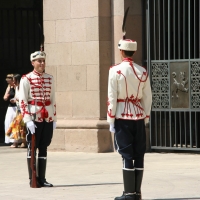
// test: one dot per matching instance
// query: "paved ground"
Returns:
(90, 176)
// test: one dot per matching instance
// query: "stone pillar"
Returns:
(78, 46)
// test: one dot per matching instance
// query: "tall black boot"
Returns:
(41, 173)
(29, 170)
(138, 183)
(129, 186)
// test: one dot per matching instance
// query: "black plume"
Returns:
(41, 38)
(124, 23)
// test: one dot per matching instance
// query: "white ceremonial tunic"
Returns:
(129, 92)
(37, 97)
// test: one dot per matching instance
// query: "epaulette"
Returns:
(114, 65)
(145, 72)
(25, 75)
(48, 74)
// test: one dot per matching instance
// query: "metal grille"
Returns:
(160, 85)
(195, 85)
(173, 51)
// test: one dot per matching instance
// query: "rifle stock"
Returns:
(33, 164)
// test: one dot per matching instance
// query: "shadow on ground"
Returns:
(4, 144)
(86, 185)
(194, 198)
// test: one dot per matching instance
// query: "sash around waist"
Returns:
(40, 103)
(129, 100)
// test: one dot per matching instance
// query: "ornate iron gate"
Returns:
(19, 36)
(173, 57)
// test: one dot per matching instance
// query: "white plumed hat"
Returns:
(37, 55)
(127, 45)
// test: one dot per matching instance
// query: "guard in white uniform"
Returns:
(38, 107)
(129, 105)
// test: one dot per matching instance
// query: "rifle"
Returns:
(34, 183)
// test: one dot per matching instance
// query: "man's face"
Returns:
(39, 65)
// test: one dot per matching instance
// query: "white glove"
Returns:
(31, 126)
(54, 125)
(146, 122)
(112, 128)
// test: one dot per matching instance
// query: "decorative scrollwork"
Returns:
(165, 101)
(195, 101)
(195, 69)
(195, 84)
(164, 85)
(160, 101)
(156, 85)
(160, 85)
(156, 101)
(160, 70)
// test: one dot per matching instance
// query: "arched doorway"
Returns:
(19, 36)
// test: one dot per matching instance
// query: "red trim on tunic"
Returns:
(130, 60)
(114, 65)
(39, 91)
(138, 110)
(50, 119)
(37, 73)
(109, 114)
(40, 103)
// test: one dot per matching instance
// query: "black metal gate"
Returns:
(173, 57)
(19, 36)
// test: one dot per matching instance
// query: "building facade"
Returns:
(81, 38)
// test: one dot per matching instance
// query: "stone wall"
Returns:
(81, 38)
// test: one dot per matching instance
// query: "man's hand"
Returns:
(54, 125)
(112, 128)
(31, 126)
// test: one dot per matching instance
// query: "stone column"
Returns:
(78, 47)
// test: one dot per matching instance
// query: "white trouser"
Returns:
(10, 115)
